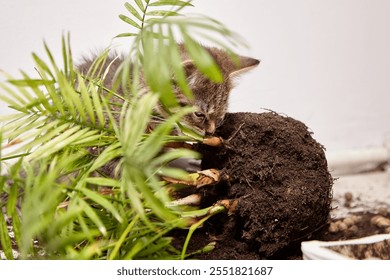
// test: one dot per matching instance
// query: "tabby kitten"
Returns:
(210, 98)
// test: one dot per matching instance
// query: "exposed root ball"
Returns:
(280, 175)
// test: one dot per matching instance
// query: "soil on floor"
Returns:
(378, 250)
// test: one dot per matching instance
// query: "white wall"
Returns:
(324, 62)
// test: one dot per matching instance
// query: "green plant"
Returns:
(53, 195)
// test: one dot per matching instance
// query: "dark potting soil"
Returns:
(279, 175)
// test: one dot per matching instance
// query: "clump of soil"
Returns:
(279, 175)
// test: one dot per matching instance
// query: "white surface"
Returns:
(357, 161)
(323, 62)
(370, 192)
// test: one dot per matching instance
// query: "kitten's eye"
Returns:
(200, 115)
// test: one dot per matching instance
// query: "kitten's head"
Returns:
(211, 98)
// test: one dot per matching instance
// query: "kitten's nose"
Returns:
(210, 129)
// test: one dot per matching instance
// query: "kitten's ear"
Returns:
(244, 65)
(188, 67)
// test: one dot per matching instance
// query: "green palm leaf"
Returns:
(68, 128)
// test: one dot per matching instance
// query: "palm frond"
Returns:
(67, 130)
(147, 10)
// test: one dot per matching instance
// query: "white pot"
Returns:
(320, 250)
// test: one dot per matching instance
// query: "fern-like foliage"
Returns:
(56, 202)
(146, 10)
